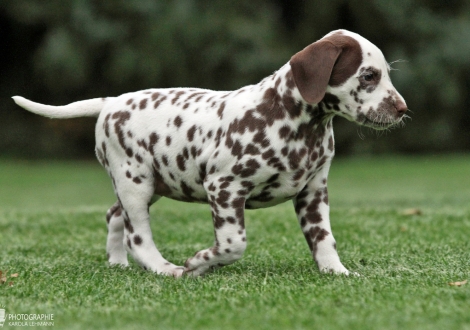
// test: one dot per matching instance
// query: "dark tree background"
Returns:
(60, 51)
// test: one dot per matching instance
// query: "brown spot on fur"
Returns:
(261, 139)
(121, 118)
(293, 107)
(222, 198)
(128, 226)
(106, 124)
(178, 121)
(143, 144)
(143, 104)
(177, 96)
(218, 221)
(224, 185)
(330, 101)
(187, 190)
(114, 211)
(331, 144)
(191, 132)
(271, 108)
(250, 169)
(295, 157)
(155, 96)
(298, 175)
(220, 112)
(160, 187)
(251, 149)
(153, 139)
(237, 149)
(137, 240)
(158, 102)
(315, 235)
(268, 154)
(284, 132)
(194, 151)
(181, 162)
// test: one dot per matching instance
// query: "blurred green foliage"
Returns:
(57, 52)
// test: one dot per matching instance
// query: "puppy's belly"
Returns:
(190, 188)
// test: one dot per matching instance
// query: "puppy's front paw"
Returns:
(196, 266)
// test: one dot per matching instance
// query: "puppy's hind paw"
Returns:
(340, 270)
(171, 270)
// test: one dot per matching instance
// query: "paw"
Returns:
(195, 272)
(169, 269)
(337, 270)
(120, 264)
(118, 260)
(332, 267)
(196, 267)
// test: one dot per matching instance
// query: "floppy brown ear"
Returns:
(312, 68)
(329, 61)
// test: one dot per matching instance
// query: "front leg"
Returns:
(311, 206)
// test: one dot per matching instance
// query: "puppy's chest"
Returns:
(286, 173)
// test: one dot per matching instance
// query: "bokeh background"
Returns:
(61, 51)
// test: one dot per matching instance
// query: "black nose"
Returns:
(401, 107)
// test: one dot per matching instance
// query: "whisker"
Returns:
(397, 61)
(359, 132)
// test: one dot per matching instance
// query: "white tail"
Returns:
(86, 108)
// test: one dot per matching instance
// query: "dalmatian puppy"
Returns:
(251, 148)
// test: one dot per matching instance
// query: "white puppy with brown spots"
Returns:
(250, 148)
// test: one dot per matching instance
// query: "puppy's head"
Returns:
(350, 77)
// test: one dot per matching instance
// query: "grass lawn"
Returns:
(52, 234)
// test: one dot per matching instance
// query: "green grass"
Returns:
(52, 233)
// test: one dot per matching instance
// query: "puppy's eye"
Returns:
(368, 77)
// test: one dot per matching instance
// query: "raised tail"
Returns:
(86, 108)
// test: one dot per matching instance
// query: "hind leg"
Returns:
(137, 236)
(116, 252)
(229, 229)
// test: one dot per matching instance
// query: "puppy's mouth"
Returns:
(379, 122)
